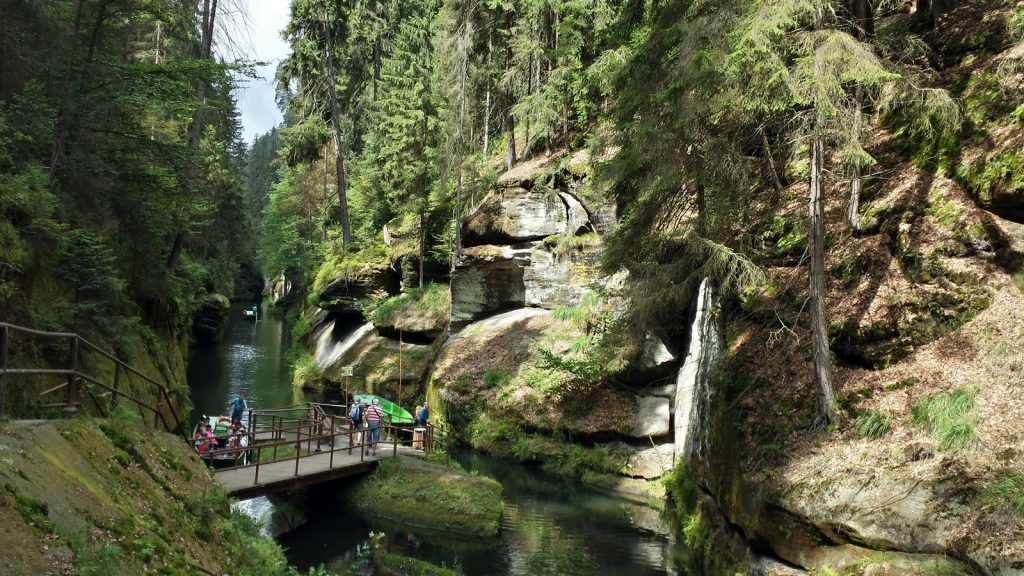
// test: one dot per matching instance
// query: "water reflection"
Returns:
(250, 359)
(549, 527)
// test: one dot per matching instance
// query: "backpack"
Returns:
(356, 412)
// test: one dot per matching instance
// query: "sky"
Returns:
(263, 21)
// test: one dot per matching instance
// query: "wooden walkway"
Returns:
(283, 476)
(308, 433)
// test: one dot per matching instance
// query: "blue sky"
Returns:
(264, 21)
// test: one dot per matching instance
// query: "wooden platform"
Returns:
(281, 477)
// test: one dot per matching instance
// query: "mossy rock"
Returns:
(416, 493)
(398, 565)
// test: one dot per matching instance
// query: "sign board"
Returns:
(346, 371)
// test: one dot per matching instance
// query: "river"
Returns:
(550, 526)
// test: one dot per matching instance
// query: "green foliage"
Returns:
(683, 489)
(496, 378)
(874, 423)
(949, 417)
(306, 372)
(1006, 492)
(432, 301)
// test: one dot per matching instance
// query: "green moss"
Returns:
(1006, 492)
(413, 492)
(405, 566)
(1001, 172)
(306, 372)
(33, 510)
(683, 489)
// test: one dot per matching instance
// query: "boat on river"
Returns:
(395, 414)
(230, 450)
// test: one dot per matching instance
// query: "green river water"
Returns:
(550, 526)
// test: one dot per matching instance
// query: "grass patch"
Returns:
(1006, 492)
(421, 494)
(432, 301)
(949, 418)
(874, 423)
(496, 378)
(306, 373)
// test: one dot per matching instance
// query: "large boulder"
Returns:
(344, 294)
(513, 215)
(488, 281)
(494, 363)
(208, 322)
(278, 289)
(650, 463)
(652, 417)
(381, 365)
(493, 278)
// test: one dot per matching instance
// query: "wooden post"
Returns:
(117, 387)
(72, 392)
(298, 453)
(4, 335)
(394, 441)
(399, 367)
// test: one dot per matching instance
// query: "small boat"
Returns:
(395, 413)
(228, 451)
(249, 314)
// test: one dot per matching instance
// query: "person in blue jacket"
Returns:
(238, 406)
(422, 415)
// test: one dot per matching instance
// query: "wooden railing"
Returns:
(78, 384)
(312, 436)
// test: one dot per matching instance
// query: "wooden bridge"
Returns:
(288, 448)
(303, 445)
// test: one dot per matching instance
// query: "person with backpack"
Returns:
(422, 415)
(355, 414)
(374, 414)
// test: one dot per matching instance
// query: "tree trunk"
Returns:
(487, 100)
(826, 412)
(853, 210)
(339, 162)
(862, 13)
(62, 110)
(510, 100)
(461, 143)
(195, 136)
(423, 240)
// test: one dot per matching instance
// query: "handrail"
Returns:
(77, 379)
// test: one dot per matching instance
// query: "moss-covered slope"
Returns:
(411, 491)
(113, 498)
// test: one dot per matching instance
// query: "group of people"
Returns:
(206, 441)
(370, 415)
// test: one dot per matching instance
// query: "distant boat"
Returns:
(396, 414)
(249, 314)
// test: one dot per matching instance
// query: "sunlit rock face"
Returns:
(520, 251)
(650, 463)
(652, 417)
